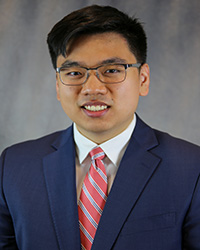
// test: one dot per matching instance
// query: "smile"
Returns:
(96, 108)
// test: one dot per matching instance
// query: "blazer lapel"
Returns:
(134, 173)
(59, 172)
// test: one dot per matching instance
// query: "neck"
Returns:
(100, 137)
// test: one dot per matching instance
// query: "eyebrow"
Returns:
(114, 60)
(69, 63)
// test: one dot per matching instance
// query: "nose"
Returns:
(93, 86)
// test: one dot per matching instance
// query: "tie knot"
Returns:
(97, 153)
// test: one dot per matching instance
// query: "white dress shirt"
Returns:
(114, 150)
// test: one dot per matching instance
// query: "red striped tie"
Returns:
(92, 199)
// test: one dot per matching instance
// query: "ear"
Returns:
(144, 80)
(57, 88)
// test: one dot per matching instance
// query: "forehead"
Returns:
(92, 49)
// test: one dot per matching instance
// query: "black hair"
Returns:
(96, 19)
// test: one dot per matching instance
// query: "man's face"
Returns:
(118, 102)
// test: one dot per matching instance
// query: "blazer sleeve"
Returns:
(7, 235)
(191, 228)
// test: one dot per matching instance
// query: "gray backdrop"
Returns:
(28, 105)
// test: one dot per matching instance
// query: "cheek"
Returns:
(128, 93)
(66, 92)
(69, 99)
(64, 96)
(57, 90)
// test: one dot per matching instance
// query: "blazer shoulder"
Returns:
(151, 138)
(38, 147)
(176, 146)
(164, 137)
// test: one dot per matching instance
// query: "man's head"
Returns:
(93, 20)
(99, 54)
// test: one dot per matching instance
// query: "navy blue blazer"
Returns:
(154, 203)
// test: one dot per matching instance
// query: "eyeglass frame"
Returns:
(126, 66)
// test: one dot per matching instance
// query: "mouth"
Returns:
(95, 109)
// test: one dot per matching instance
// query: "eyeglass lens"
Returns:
(111, 73)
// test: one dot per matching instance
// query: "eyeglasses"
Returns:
(108, 73)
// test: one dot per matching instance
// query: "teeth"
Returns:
(96, 108)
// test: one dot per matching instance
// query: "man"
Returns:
(109, 181)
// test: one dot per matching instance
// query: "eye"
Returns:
(112, 69)
(74, 73)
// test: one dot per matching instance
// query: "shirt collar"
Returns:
(112, 147)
